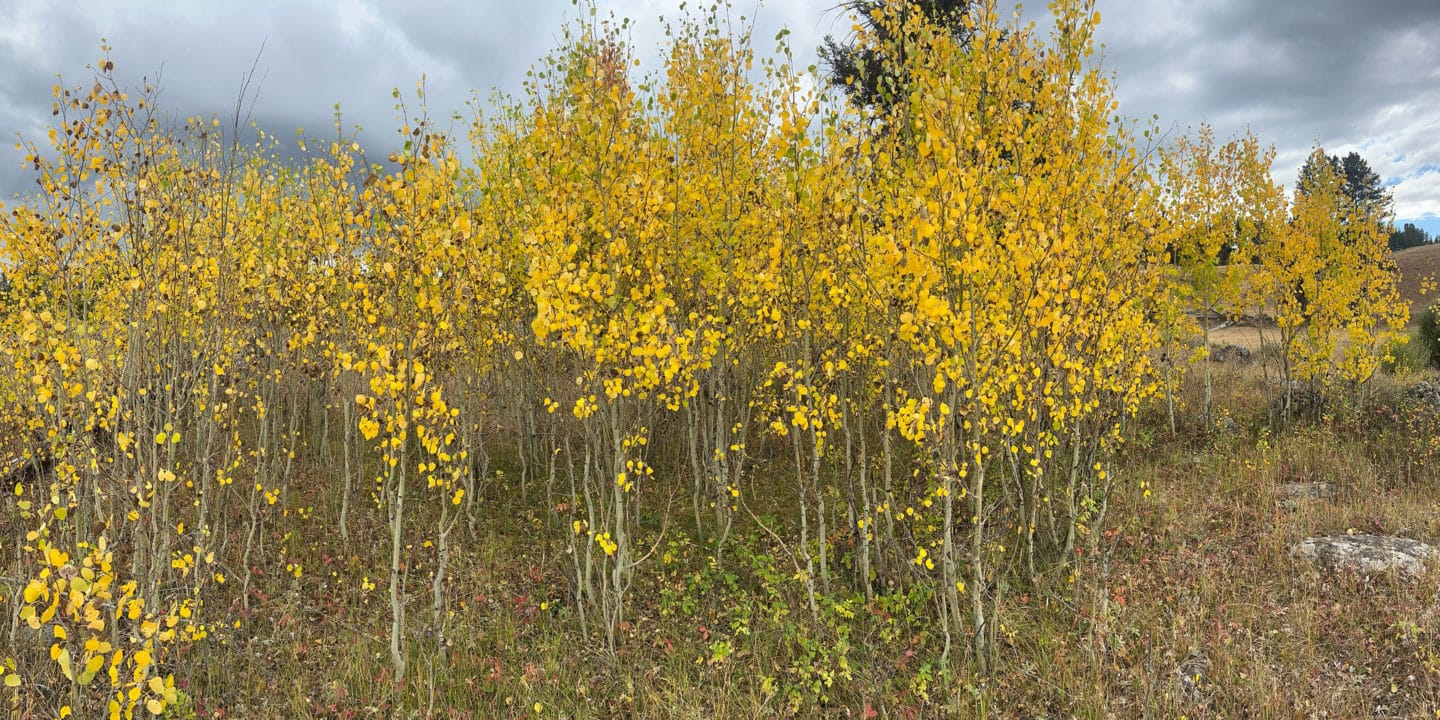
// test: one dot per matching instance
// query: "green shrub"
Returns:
(1412, 357)
(1423, 349)
(1427, 336)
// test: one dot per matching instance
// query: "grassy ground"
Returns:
(1415, 266)
(1244, 336)
(1193, 608)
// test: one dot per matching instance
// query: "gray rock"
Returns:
(1367, 554)
(1290, 496)
(1192, 673)
(1231, 353)
(1425, 393)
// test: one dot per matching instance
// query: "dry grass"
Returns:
(1243, 336)
(1201, 569)
(1414, 266)
(1205, 570)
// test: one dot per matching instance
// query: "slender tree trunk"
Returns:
(397, 538)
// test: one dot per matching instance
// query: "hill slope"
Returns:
(1413, 265)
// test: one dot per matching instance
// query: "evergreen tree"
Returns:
(872, 72)
(1409, 236)
(1361, 186)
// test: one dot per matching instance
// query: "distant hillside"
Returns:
(1415, 264)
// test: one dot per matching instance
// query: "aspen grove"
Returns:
(675, 317)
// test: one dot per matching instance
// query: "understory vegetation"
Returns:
(703, 395)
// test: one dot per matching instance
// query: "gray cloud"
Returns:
(1344, 74)
(1340, 74)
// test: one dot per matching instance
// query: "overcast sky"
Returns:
(1358, 75)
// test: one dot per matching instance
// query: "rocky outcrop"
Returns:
(1367, 554)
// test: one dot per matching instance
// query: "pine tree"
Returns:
(1361, 186)
(870, 65)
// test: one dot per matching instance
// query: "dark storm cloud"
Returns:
(1348, 75)
(315, 54)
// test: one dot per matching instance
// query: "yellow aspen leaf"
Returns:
(62, 658)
